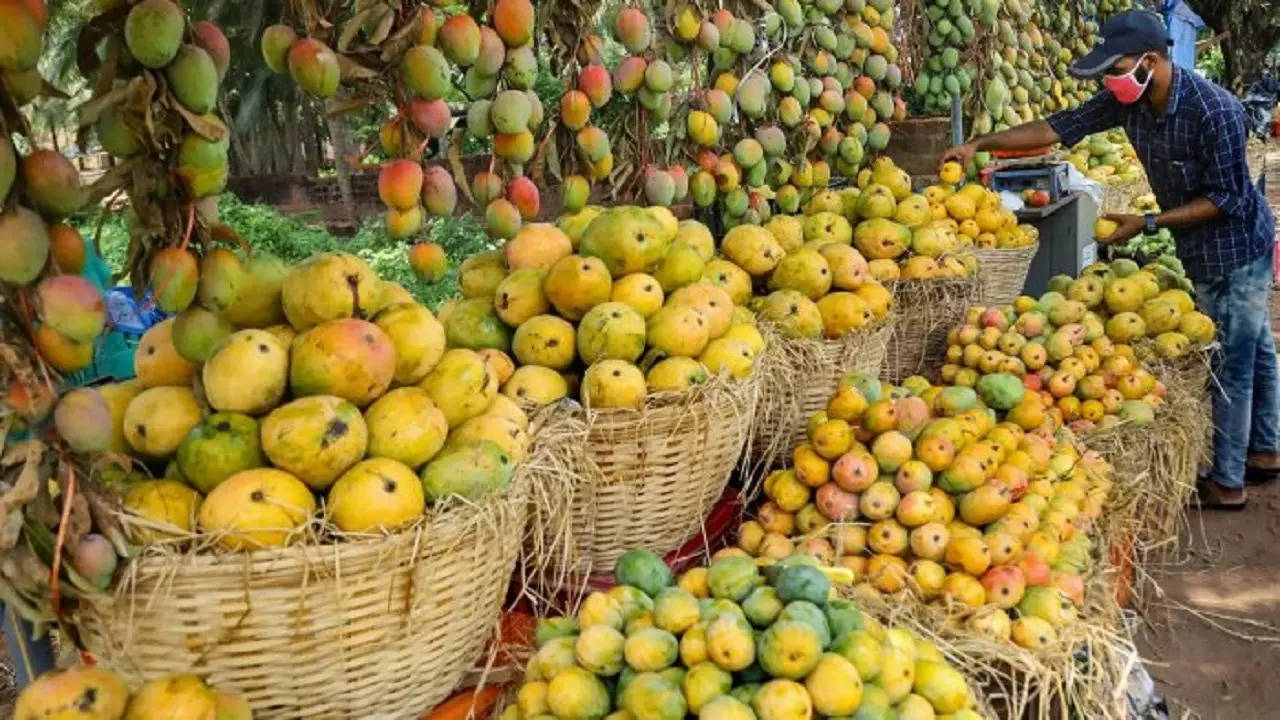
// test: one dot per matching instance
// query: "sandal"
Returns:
(1260, 476)
(1208, 496)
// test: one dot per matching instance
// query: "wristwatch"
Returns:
(1150, 228)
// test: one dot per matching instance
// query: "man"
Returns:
(1190, 135)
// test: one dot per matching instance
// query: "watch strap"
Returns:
(1150, 227)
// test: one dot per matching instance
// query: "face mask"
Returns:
(1127, 88)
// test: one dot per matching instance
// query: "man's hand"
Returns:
(1127, 226)
(962, 154)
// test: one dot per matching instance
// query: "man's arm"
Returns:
(1222, 178)
(1101, 112)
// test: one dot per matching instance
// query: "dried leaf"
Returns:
(455, 164)
(208, 129)
(91, 110)
(352, 70)
(352, 27)
(224, 233)
(26, 485)
(115, 178)
(553, 158)
(334, 108)
(383, 28)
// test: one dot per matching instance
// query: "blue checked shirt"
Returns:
(1196, 149)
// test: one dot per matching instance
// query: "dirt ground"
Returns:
(1219, 662)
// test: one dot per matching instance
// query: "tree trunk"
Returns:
(1251, 30)
(343, 150)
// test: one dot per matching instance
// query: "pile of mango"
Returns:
(1108, 158)
(782, 124)
(976, 212)
(610, 306)
(1007, 60)
(1078, 349)
(924, 488)
(1121, 293)
(492, 63)
(287, 394)
(733, 641)
(95, 692)
(882, 229)
(41, 256)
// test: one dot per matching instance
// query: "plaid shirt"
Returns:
(1196, 149)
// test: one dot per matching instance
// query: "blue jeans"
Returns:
(1246, 412)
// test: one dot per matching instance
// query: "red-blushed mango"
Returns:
(428, 26)
(349, 358)
(575, 109)
(72, 306)
(157, 362)
(52, 183)
(314, 67)
(429, 262)
(524, 195)
(275, 44)
(404, 223)
(629, 76)
(659, 187)
(514, 147)
(83, 420)
(513, 20)
(680, 178)
(493, 52)
(594, 80)
(400, 183)
(631, 28)
(153, 32)
(63, 353)
(22, 40)
(719, 104)
(501, 219)
(537, 113)
(575, 193)
(67, 247)
(31, 402)
(432, 118)
(425, 72)
(459, 38)
(485, 187)
(439, 194)
(174, 276)
(24, 245)
(593, 143)
(211, 39)
(193, 78)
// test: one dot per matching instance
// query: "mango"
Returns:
(246, 373)
(153, 32)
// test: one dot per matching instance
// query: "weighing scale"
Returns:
(1065, 224)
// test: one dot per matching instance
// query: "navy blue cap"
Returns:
(1128, 33)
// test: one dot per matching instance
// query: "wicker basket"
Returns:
(639, 479)
(923, 312)
(1003, 272)
(382, 627)
(797, 379)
